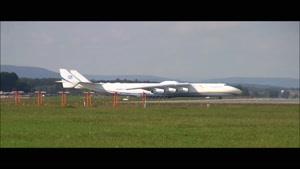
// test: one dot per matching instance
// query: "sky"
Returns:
(180, 50)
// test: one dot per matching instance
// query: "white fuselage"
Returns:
(195, 89)
(73, 79)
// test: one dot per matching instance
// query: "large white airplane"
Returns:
(73, 79)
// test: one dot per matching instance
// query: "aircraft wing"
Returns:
(92, 86)
(160, 85)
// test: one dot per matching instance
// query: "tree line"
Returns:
(10, 81)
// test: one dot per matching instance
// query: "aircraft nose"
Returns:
(236, 90)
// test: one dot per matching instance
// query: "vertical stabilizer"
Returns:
(79, 76)
(68, 77)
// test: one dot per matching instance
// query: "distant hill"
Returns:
(36, 72)
(276, 82)
(29, 72)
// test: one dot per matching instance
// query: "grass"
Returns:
(159, 125)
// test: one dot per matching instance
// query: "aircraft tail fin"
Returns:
(79, 76)
(68, 79)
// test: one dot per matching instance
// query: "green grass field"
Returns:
(159, 125)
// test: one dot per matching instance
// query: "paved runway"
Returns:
(232, 101)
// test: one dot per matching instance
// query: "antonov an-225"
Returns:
(73, 79)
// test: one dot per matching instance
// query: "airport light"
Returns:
(39, 97)
(87, 99)
(115, 100)
(63, 98)
(17, 95)
(144, 98)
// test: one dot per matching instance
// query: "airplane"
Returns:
(73, 79)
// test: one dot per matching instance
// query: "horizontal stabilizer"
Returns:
(67, 84)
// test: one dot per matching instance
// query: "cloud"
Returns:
(43, 38)
(190, 27)
(119, 34)
(171, 49)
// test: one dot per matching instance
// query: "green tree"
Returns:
(23, 86)
(8, 81)
(274, 93)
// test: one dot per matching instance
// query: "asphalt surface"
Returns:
(232, 101)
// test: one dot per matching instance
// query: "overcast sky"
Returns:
(182, 50)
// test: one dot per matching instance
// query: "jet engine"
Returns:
(183, 89)
(171, 90)
(157, 90)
